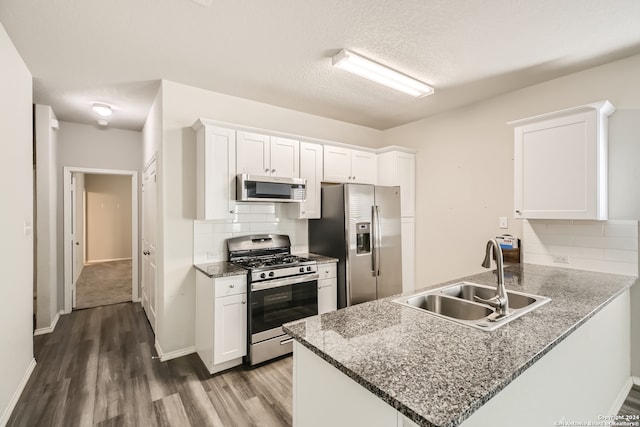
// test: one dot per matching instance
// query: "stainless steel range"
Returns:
(281, 288)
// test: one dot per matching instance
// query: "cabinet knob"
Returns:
(354, 177)
(518, 211)
(326, 272)
(266, 170)
(244, 301)
(273, 171)
(232, 285)
(231, 211)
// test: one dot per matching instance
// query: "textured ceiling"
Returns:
(278, 51)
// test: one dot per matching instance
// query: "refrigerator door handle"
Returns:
(377, 242)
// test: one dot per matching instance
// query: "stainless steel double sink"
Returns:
(456, 302)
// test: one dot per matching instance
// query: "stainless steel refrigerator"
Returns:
(360, 226)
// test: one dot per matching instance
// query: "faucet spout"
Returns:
(501, 300)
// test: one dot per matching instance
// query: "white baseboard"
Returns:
(622, 396)
(96, 261)
(173, 354)
(50, 328)
(14, 399)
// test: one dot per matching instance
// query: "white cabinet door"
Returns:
(253, 154)
(311, 170)
(350, 166)
(363, 167)
(408, 234)
(327, 295)
(399, 168)
(230, 328)
(285, 157)
(216, 173)
(560, 164)
(337, 164)
(327, 287)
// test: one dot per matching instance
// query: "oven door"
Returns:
(274, 303)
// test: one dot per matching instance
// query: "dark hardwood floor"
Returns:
(98, 368)
(631, 405)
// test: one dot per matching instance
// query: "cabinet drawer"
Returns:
(327, 271)
(231, 285)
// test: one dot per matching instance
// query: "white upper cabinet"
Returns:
(259, 154)
(397, 167)
(560, 164)
(347, 165)
(311, 170)
(215, 169)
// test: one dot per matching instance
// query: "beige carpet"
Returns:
(103, 284)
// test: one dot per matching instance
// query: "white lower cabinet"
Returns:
(327, 288)
(221, 321)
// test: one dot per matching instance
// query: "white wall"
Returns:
(465, 164)
(108, 217)
(181, 106)
(16, 245)
(87, 146)
(46, 219)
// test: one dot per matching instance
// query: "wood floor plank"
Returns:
(99, 368)
(170, 411)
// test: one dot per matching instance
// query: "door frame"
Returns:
(68, 258)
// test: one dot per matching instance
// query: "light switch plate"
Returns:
(503, 222)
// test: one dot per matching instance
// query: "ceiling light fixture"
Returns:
(103, 110)
(364, 67)
(102, 123)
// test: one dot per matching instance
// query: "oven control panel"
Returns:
(257, 276)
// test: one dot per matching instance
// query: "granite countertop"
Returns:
(437, 372)
(320, 259)
(220, 269)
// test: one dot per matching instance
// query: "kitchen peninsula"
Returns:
(383, 364)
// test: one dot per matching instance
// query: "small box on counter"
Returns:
(507, 241)
(510, 246)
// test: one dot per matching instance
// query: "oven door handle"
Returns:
(261, 286)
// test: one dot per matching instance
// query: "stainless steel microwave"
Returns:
(254, 188)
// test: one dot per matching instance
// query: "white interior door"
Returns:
(77, 230)
(149, 270)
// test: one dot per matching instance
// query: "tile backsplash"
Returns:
(605, 246)
(209, 237)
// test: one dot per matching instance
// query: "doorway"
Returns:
(101, 237)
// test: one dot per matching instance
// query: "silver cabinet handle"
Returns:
(286, 341)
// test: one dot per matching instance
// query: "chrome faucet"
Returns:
(501, 300)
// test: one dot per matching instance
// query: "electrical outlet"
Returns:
(560, 259)
(503, 222)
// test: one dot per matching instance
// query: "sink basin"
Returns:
(456, 303)
(450, 307)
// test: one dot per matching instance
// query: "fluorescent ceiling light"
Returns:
(363, 67)
(103, 110)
